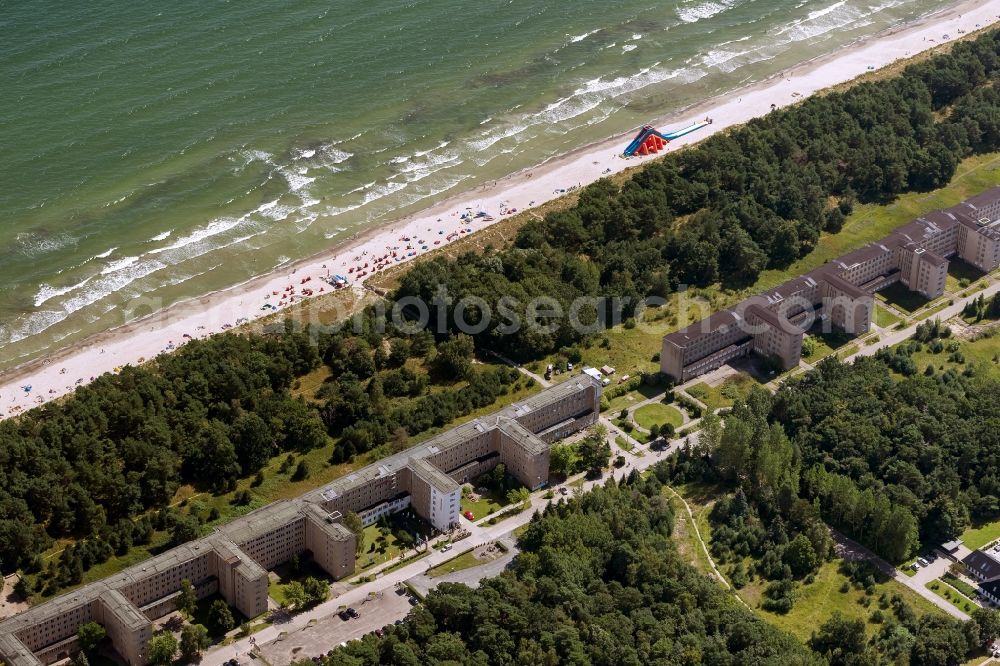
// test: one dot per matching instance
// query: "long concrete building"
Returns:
(234, 560)
(840, 293)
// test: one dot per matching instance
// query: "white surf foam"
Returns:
(695, 13)
(573, 39)
(118, 265)
(47, 292)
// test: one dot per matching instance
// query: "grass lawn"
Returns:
(960, 272)
(950, 594)
(977, 537)
(276, 588)
(623, 443)
(487, 503)
(979, 354)
(844, 352)
(816, 603)
(658, 414)
(307, 385)
(409, 560)
(820, 349)
(466, 560)
(723, 395)
(626, 400)
(906, 568)
(201, 614)
(381, 543)
(700, 498)
(902, 298)
(884, 318)
(959, 585)
(933, 310)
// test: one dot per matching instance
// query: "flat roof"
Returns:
(845, 286)
(328, 524)
(124, 610)
(433, 476)
(710, 324)
(15, 653)
(456, 436)
(773, 319)
(983, 199)
(523, 437)
(261, 521)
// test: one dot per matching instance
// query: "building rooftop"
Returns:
(431, 475)
(773, 319)
(124, 610)
(861, 255)
(710, 324)
(983, 200)
(983, 564)
(550, 395)
(933, 258)
(230, 553)
(845, 286)
(450, 438)
(15, 653)
(328, 523)
(261, 521)
(522, 436)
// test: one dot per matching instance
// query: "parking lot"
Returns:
(935, 569)
(331, 631)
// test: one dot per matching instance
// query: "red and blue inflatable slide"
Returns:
(649, 141)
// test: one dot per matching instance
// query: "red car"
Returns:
(468, 514)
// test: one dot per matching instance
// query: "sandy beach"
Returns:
(62, 371)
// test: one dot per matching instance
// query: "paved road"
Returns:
(471, 577)
(640, 460)
(851, 550)
(890, 338)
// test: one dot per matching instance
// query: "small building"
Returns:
(982, 565)
(593, 372)
(951, 546)
(991, 591)
(607, 369)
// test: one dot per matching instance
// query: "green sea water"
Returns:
(167, 149)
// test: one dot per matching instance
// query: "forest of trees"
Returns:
(893, 462)
(599, 582)
(918, 456)
(101, 465)
(731, 206)
(220, 409)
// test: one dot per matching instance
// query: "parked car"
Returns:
(353, 613)
(469, 515)
(922, 562)
(445, 548)
(915, 566)
(564, 491)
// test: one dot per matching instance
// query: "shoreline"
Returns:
(59, 372)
